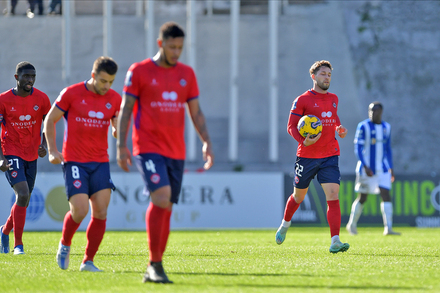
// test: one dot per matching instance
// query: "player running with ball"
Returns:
(319, 155)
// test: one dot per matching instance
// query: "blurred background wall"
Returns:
(380, 50)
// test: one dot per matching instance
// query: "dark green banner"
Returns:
(416, 202)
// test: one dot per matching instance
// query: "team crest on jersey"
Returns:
(77, 183)
(14, 174)
(108, 106)
(183, 82)
(13, 109)
(36, 107)
(155, 178)
(296, 179)
(334, 105)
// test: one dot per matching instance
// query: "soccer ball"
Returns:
(309, 124)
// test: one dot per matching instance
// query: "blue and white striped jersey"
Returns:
(372, 146)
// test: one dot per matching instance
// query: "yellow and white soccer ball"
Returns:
(309, 124)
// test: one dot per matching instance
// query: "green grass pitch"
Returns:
(234, 261)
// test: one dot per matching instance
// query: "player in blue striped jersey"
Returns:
(374, 169)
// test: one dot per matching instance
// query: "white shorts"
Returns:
(370, 185)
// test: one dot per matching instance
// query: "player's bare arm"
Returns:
(368, 171)
(123, 121)
(54, 115)
(342, 131)
(200, 124)
(114, 123)
(4, 164)
(42, 148)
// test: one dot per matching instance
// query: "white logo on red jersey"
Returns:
(154, 82)
(108, 106)
(83, 102)
(326, 114)
(23, 117)
(183, 82)
(13, 109)
(169, 95)
(36, 107)
(316, 106)
(25, 122)
(93, 114)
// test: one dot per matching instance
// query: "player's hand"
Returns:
(342, 131)
(123, 158)
(311, 140)
(4, 165)
(56, 157)
(368, 171)
(42, 151)
(208, 155)
(114, 132)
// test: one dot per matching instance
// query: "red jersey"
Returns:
(159, 111)
(21, 119)
(87, 117)
(325, 107)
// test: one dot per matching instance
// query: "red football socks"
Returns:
(155, 221)
(69, 229)
(7, 228)
(165, 232)
(19, 217)
(291, 207)
(334, 216)
(95, 234)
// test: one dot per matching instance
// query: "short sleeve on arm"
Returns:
(63, 100)
(194, 87)
(131, 83)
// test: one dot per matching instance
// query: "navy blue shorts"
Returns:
(327, 170)
(87, 178)
(158, 171)
(21, 170)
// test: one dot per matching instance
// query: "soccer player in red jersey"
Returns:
(156, 91)
(88, 108)
(22, 111)
(318, 155)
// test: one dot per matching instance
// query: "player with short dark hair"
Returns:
(317, 156)
(374, 169)
(156, 91)
(22, 111)
(88, 108)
